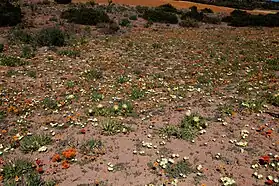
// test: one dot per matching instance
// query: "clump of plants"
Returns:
(51, 37)
(63, 1)
(125, 22)
(69, 53)
(21, 171)
(11, 61)
(168, 8)
(112, 127)
(193, 13)
(171, 169)
(160, 16)
(86, 16)
(241, 18)
(188, 22)
(1, 47)
(188, 128)
(92, 147)
(34, 142)
(10, 14)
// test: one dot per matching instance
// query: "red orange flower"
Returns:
(65, 164)
(264, 160)
(70, 153)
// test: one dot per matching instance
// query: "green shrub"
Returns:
(86, 16)
(193, 13)
(133, 17)
(167, 8)
(27, 52)
(51, 37)
(124, 22)
(188, 22)
(241, 18)
(1, 47)
(63, 1)
(157, 15)
(211, 19)
(11, 61)
(21, 35)
(207, 10)
(142, 9)
(10, 15)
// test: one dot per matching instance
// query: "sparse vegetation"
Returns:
(161, 16)
(34, 142)
(11, 61)
(112, 127)
(188, 22)
(51, 37)
(86, 16)
(188, 128)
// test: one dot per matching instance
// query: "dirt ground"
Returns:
(136, 92)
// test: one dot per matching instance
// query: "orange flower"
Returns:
(65, 164)
(40, 170)
(155, 164)
(268, 133)
(55, 158)
(70, 153)
(4, 131)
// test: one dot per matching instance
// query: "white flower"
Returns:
(124, 106)
(227, 181)
(196, 119)
(42, 149)
(115, 107)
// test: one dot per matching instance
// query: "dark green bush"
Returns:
(124, 22)
(207, 10)
(167, 8)
(211, 19)
(157, 15)
(10, 15)
(51, 37)
(189, 22)
(86, 16)
(142, 9)
(1, 47)
(133, 17)
(21, 35)
(240, 18)
(11, 61)
(63, 1)
(193, 13)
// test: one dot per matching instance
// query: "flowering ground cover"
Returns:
(148, 105)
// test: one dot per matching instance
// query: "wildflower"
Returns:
(269, 182)
(124, 106)
(65, 164)
(264, 160)
(227, 181)
(82, 131)
(70, 153)
(196, 119)
(115, 107)
(56, 158)
(40, 170)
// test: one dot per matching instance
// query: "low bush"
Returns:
(188, 22)
(1, 47)
(211, 19)
(124, 22)
(11, 61)
(63, 1)
(51, 37)
(167, 8)
(86, 16)
(10, 15)
(193, 13)
(240, 18)
(207, 10)
(157, 15)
